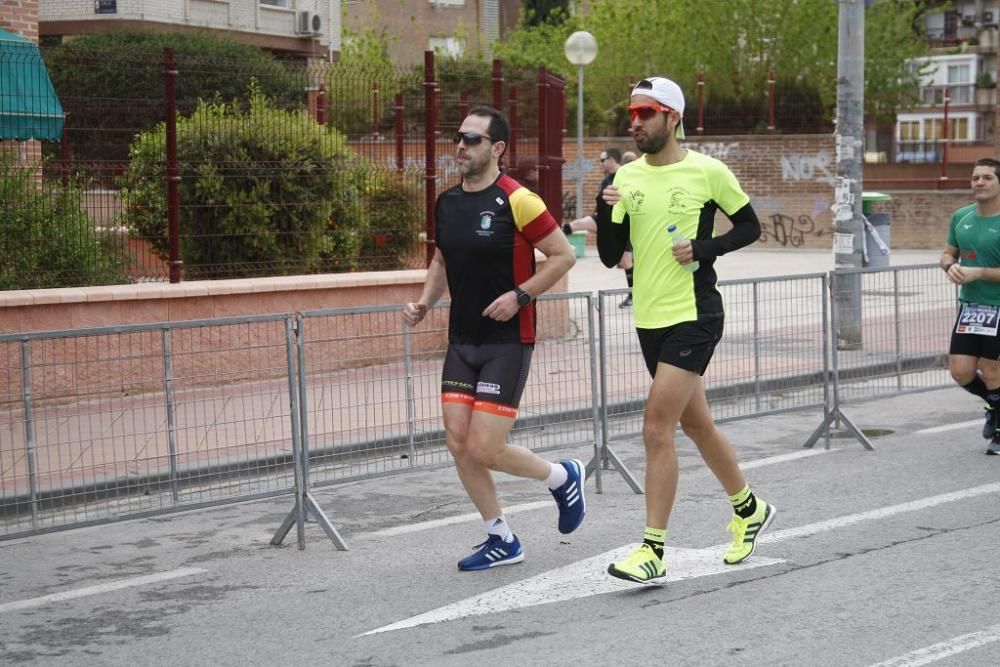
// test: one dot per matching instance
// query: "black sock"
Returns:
(628, 277)
(655, 537)
(978, 388)
(744, 503)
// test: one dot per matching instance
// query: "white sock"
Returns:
(498, 526)
(557, 476)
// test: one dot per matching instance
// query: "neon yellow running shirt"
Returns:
(686, 194)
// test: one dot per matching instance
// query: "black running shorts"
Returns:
(974, 345)
(688, 345)
(489, 378)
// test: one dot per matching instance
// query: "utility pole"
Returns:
(847, 238)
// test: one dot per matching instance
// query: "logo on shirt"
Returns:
(675, 200)
(485, 224)
(488, 388)
(966, 226)
(633, 201)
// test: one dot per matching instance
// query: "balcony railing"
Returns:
(933, 96)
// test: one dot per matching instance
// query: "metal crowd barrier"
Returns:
(130, 421)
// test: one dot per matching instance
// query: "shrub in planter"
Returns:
(263, 192)
(47, 239)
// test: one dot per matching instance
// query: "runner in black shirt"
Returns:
(487, 230)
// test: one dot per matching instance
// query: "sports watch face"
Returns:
(523, 298)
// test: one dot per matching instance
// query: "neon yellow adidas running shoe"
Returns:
(746, 531)
(641, 566)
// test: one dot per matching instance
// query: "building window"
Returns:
(453, 3)
(909, 130)
(276, 3)
(958, 129)
(446, 46)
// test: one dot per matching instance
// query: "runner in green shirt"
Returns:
(971, 259)
(678, 310)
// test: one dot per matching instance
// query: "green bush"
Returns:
(47, 240)
(263, 192)
(393, 212)
(111, 84)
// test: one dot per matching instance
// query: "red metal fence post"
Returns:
(512, 117)
(430, 152)
(701, 103)
(376, 105)
(463, 105)
(770, 101)
(173, 178)
(497, 84)
(399, 131)
(944, 130)
(321, 104)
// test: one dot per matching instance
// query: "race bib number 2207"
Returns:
(977, 318)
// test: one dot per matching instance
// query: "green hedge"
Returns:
(47, 240)
(265, 192)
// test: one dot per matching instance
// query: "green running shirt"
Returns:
(687, 194)
(978, 242)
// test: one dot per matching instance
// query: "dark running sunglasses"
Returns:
(645, 112)
(470, 138)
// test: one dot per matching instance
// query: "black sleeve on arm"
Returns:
(746, 230)
(611, 238)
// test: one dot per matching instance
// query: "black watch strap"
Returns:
(523, 298)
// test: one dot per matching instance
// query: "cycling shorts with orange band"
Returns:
(489, 378)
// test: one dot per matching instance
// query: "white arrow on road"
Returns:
(581, 579)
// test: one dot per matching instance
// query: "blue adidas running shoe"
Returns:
(491, 553)
(569, 497)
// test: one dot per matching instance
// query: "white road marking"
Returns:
(99, 588)
(881, 513)
(948, 427)
(513, 509)
(945, 649)
(588, 577)
(581, 579)
(782, 458)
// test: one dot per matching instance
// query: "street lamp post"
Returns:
(581, 49)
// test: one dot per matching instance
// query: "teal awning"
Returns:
(29, 108)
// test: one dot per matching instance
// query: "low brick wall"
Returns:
(115, 364)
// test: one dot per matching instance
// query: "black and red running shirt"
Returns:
(487, 239)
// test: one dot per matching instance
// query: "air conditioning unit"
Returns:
(988, 18)
(310, 23)
(968, 20)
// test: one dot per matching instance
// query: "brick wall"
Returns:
(20, 16)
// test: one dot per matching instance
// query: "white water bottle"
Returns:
(677, 237)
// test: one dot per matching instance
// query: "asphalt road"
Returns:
(884, 557)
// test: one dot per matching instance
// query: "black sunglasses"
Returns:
(470, 138)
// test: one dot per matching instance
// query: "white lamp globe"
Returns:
(581, 48)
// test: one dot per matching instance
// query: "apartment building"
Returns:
(958, 90)
(305, 28)
(452, 27)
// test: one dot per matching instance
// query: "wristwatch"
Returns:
(523, 298)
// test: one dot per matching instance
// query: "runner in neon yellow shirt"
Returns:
(678, 312)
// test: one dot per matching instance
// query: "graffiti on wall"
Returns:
(791, 231)
(720, 150)
(815, 168)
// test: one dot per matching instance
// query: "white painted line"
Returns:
(451, 520)
(100, 588)
(948, 427)
(581, 579)
(881, 513)
(514, 509)
(588, 577)
(782, 458)
(944, 649)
